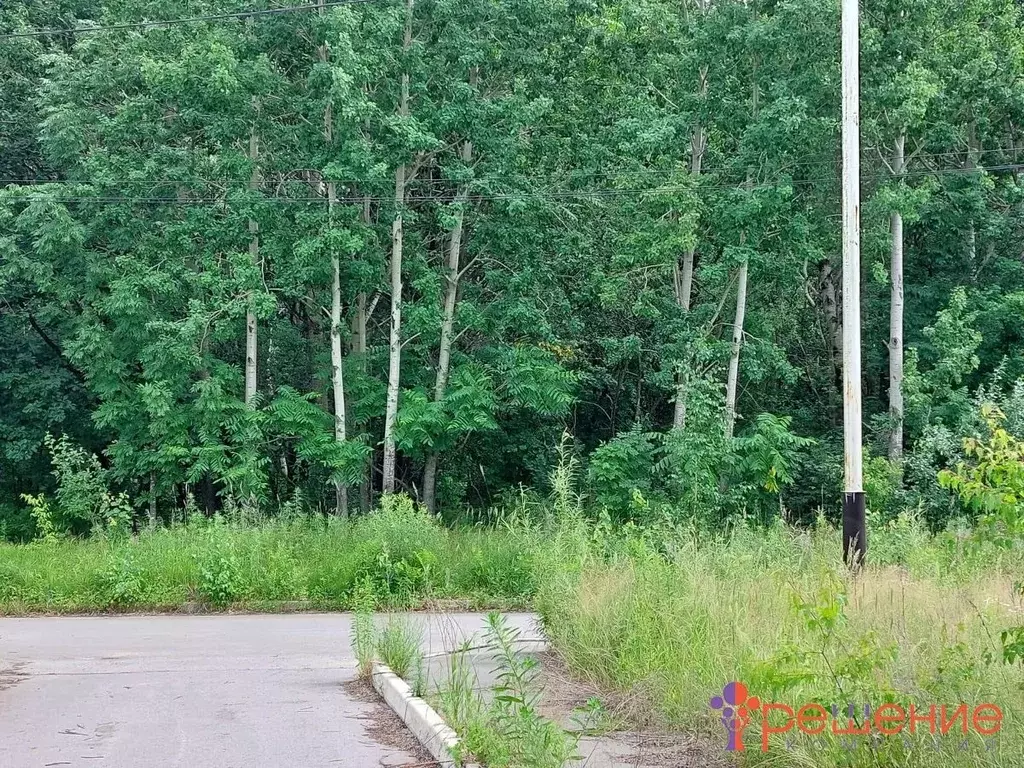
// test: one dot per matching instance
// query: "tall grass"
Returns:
(399, 554)
(678, 615)
(669, 611)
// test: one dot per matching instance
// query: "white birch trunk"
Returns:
(734, 358)
(337, 354)
(397, 242)
(973, 160)
(359, 347)
(451, 292)
(684, 275)
(251, 327)
(337, 350)
(395, 340)
(896, 314)
(152, 499)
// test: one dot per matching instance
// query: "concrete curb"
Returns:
(436, 736)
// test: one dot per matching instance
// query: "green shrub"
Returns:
(883, 481)
(39, 508)
(991, 480)
(219, 581)
(122, 582)
(81, 485)
(621, 466)
(398, 550)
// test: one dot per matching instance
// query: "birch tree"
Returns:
(397, 245)
(904, 86)
(251, 331)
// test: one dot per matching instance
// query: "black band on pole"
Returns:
(855, 529)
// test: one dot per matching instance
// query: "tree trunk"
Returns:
(359, 347)
(337, 355)
(734, 358)
(337, 351)
(732, 380)
(395, 340)
(251, 330)
(896, 315)
(152, 499)
(451, 292)
(684, 275)
(397, 241)
(973, 160)
(359, 344)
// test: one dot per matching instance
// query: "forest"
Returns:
(256, 256)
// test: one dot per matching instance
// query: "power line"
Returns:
(607, 192)
(239, 183)
(186, 20)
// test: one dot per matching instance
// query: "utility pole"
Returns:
(855, 543)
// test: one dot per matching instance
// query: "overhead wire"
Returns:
(525, 194)
(567, 174)
(184, 20)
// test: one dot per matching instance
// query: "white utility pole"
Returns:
(854, 525)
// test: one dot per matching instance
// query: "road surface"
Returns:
(217, 691)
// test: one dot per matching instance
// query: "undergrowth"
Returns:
(674, 617)
(503, 727)
(401, 555)
(666, 610)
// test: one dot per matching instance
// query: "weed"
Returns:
(774, 608)
(219, 581)
(116, 515)
(81, 484)
(40, 510)
(532, 739)
(123, 582)
(398, 646)
(364, 633)
(507, 730)
(567, 501)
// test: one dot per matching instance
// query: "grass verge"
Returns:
(678, 617)
(402, 557)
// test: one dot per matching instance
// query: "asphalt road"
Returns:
(218, 691)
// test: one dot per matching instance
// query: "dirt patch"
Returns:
(564, 694)
(630, 734)
(387, 728)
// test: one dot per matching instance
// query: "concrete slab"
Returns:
(217, 691)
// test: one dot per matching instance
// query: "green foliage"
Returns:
(297, 418)
(621, 467)
(398, 557)
(128, 280)
(883, 480)
(568, 502)
(825, 658)
(116, 514)
(364, 632)
(992, 480)
(220, 582)
(767, 456)
(902, 538)
(693, 458)
(776, 609)
(508, 731)
(123, 582)
(81, 486)
(43, 518)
